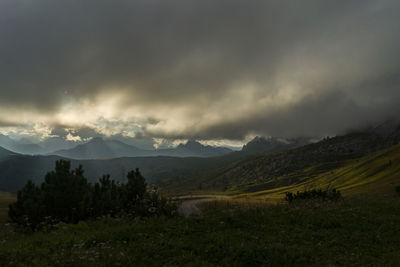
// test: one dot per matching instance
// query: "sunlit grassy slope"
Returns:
(376, 173)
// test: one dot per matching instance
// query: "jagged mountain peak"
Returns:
(191, 145)
(262, 145)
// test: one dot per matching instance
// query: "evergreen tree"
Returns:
(66, 193)
(66, 196)
(28, 211)
(134, 191)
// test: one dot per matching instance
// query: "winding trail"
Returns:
(189, 206)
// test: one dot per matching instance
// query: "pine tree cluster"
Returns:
(66, 196)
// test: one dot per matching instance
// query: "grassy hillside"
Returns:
(260, 173)
(376, 173)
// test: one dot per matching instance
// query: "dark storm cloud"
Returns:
(341, 57)
(64, 130)
(326, 115)
(9, 124)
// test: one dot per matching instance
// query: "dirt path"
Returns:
(189, 207)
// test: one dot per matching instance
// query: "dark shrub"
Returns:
(398, 190)
(106, 197)
(156, 204)
(314, 194)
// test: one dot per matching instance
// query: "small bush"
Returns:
(398, 189)
(332, 195)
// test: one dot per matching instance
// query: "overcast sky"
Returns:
(207, 69)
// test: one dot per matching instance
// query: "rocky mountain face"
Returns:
(264, 145)
(194, 149)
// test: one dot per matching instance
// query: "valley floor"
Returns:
(356, 231)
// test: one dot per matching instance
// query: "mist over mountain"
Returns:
(22, 146)
(5, 141)
(98, 148)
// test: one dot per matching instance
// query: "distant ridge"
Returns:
(99, 148)
(23, 147)
(4, 153)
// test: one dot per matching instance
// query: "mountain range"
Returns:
(263, 163)
(27, 147)
(98, 148)
(17, 168)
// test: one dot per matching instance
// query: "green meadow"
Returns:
(356, 231)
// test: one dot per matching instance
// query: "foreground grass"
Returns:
(353, 232)
(5, 200)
